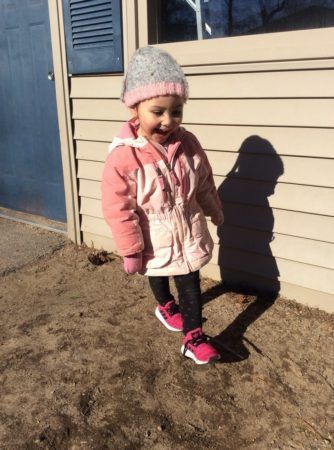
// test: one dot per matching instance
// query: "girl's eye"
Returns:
(157, 113)
(177, 113)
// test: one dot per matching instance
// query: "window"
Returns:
(185, 20)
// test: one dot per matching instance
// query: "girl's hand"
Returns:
(133, 263)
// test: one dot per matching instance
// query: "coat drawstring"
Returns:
(175, 181)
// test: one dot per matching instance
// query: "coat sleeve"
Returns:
(207, 195)
(119, 203)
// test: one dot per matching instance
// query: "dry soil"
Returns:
(84, 364)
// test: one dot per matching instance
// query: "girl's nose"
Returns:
(166, 120)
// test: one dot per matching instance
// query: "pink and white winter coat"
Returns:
(155, 201)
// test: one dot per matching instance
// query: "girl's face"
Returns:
(159, 117)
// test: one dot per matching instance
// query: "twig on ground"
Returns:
(326, 381)
(315, 431)
(297, 446)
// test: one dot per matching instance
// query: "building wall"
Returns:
(267, 124)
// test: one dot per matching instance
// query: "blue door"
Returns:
(31, 178)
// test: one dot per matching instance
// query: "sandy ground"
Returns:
(84, 364)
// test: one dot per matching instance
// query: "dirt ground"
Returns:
(84, 364)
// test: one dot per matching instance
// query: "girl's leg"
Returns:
(190, 300)
(160, 289)
(195, 344)
(167, 311)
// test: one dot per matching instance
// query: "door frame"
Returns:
(64, 120)
(66, 132)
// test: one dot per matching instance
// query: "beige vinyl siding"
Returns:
(306, 171)
(307, 45)
(295, 291)
(294, 197)
(264, 112)
(294, 141)
(292, 108)
(310, 226)
(315, 83)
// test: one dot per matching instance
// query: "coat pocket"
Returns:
(201, 243)
(158, 240)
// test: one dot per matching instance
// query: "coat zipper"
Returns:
(169, 166)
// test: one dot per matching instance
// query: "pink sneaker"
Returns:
(196, 346)
(170, 316)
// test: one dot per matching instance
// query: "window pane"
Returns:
(184, 20)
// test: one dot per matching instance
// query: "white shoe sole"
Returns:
(190, 355)
(162, 320)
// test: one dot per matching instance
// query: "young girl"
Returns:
(157, 187)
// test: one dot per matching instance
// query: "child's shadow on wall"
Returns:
(246, 262)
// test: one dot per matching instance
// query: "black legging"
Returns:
(190, 299)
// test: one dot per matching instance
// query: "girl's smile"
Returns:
(159, 117)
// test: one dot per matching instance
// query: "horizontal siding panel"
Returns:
(99, 242)
(309, 276)
(256, 48)
(295, 84)
(89, 188)
(287, 112)
(96, 87)
(287, 247)
(90, 170)
(311, 199)
(280, 246)
(312, 171)
(95, 225)
(310, 226)
(93, 130)
(92, 150)
(307, 83)
(91, 207)
(102, 109)
(285, 141)
(264, 66)
(303, 250)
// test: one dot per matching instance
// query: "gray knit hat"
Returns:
(152, 72)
